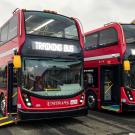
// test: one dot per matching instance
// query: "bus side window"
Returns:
(108, 37)
(91, 78)
(91, 41)
(15, 78)
(3, 77)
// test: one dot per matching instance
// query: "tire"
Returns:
(91, 100)
(3, 105)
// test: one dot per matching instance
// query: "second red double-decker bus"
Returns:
(41, 74)
(110, 67)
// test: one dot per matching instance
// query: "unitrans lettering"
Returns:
(53, 47)
(57, 103)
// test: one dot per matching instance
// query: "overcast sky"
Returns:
(92, 13)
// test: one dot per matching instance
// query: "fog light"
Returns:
(27, 100)
(29, 104)
(129, 94)
(82, 99)
(131, 98)
(123, 100)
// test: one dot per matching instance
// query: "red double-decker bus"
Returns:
(41, 74)
(110, 67)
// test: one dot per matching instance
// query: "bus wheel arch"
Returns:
(2, 104)
(91, 100)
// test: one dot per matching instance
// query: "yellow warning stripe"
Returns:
(2, 118)
(5, 123)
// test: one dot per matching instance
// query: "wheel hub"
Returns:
(91, 100)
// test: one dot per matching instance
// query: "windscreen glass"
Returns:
(52, 25)
(52, 77)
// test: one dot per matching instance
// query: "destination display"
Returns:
(46, 46)
(50, 47)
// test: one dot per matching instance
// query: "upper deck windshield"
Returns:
(48, 24)
(129, 31)
(52, 77)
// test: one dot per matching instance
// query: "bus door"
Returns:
(110, 87)
(12, 89)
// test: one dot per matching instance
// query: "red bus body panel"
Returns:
(7, 53)
(94, 54)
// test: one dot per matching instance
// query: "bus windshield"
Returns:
(52, 77)
(129, 30)
(48, 24)
(130, 77)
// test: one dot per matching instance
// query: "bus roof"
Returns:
(102, 28)
(107, 26)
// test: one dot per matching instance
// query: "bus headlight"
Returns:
(27, 100)
(131, 98)
(82, 99)
(129, 94)
(29, 104)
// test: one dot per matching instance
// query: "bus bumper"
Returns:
(128, 107)
(37, 115)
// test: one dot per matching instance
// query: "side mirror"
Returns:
(126, 65)
(17, 61)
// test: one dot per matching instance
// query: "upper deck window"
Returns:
(107, 37)
(12, 30)
(48, 24)
(129, 31)
(101, 38)
(91, 41)
(9, 30)
(4, 33)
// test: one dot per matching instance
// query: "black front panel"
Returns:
(36, 46)
(36, 115)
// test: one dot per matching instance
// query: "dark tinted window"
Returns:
(4, 33)
(107, 37)
(12, 28)
(9, 30)
(91, 41)
(129, 31)
(3, 77)
(91, 78)
(52, 25)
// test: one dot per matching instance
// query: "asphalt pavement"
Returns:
(95, 123)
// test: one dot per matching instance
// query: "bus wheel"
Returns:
(3, 105)
(91, 101)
